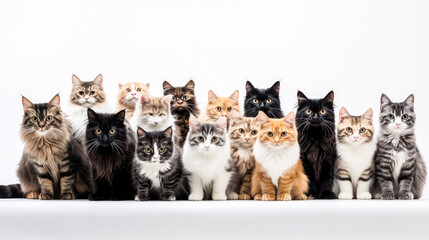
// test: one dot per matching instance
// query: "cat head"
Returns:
(277, 133)
(87, 93)
(221, 106)
(207, 137)
(243, 130)
(130, 93)
(316, 113)
(42, 119)
(266, 100)
(106, 130)
(184, 99)
(155, 147)
(355, 129)
(397, 117)
(155, 110)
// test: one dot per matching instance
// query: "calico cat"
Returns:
(53, 165)
(183, 104)
(243, 133)
(129, 95)
(158, 168)
(400, 171)
(354, 167)
(315, 123)
(152, 113)
(278, 174)
(110, 145)
(221, 106)
(265, 100)
(206, 155)
(85, 95)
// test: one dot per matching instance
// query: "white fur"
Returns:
(276, 160)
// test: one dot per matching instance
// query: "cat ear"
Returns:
(409, 100)
(221, 123)
(276, 87)
(98, 80)
(167, 87)
(55, 101)
(249, 86)
(193, 121)
(329, 97)
(147, 85)
(167, 99)
(190, 85)
(26, 104)
(344, 114)
(290, 119)
(384, 100)
(262, 118)
(212, 96)
(368, 114)
(234, 115)
(169, 132)
(75, 80)
(120, 115)
(145, 98)
(234, 96)
(141, 133)
(92, 115)
(301, 97)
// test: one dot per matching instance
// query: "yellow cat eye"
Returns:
(270, 134)
(161, 149)
(283, 134)
(349, 130)
(322, 111)
(49, 118)
(218, 109)
(309, 111)
(34, 119)
(229, 109)
(362, 130)
(112, 131)
(241, 130)
(98, 131)
(148, 150)
(254, 132)
(255, 100)
(201, 139)
(268, 100)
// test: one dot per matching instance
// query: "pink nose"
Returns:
(133, 94)
(155, 157)
(207, 147)
(86, 98)
(398, 124)
(356, 137)
(247, 139)
(155, 123)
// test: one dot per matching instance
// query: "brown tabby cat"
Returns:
(278, 174)
(221, 106)
(243, 133)
(129, 95)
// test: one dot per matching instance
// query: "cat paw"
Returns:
(345, 196)
(195, 197)
(364, 196)
(301, 197)
(141, 198)
(219, 197)
(244, 196)
(67, 196)
(168, 198)
(257, 197)
(232, 196)
(284, 197)
(46, 196)
(268, 197)
(387, 196)
(327, 195)
(32, 195)
(96, 197)
(406, 196)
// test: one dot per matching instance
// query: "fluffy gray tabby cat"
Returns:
(400, 170)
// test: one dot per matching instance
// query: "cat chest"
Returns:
(275, 167)
(399, 159)
(153, 172)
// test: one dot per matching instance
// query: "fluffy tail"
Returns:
(11, 191)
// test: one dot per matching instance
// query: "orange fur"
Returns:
(125, 99)
(221, 106)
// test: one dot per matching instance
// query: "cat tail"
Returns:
(11, 191)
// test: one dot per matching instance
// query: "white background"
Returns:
(360, 49)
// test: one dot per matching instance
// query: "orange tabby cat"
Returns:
(129, 95)
(278, 173)
(220, 106)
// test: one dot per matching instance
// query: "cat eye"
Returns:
(218, 109)
(127, 90)
(112, 131)
(391, 116)
(254, 132)
(241, 131)
(349, 130)
(148, 150)
(405, 116)
(362, 130)
(283, 134)
(49, 118)
(255, 100)
(161, 149)
(81, 93)
(309, 111)
(322, 111)
(214, 139)
(229, 109)
(270, 134)
(174, 98)
(150, 114)
(201, 139)
(98, 131)
(139, 89)
(161, 114)
(34, 119)
(185, 98)
(91, 93)
(268, 100)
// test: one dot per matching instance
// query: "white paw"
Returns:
(195, 197)
(345, 196)
(233, 196)
(219, 196)
(137, 198)
(364, 196)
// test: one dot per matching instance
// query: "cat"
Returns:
(53, 164)
(152, 113)
(243, 133)
(354, 167)
(206, 155)
(315, 122)
(266, 100)
(129, 95)
(183, 104)
(278, 174)
(110, 145)
(85, 95)
(221, 106)
(400, 171)
(158, 168)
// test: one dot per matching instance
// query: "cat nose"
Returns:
(207, 147)
(155, 157)
(133, 94)
(155, 123)
(179, 102)
(42, 124)
(247, 139)
(86, 98)
(398, 124)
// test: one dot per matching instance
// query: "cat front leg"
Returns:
(246, 183)
(220, 185)
(364, 184)
(385, 178)
(268, 189)
(101, 191)
(345, 184)
(197, 190)
(405, 180)
(46, 184)
(67, 179)
(143, 189)
(284, 188)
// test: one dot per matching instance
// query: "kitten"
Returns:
(53, 165)
(183, 104)
(243, 133)
(315, 123)
(152, 113)
(354, 167)
(400, 171)
(110, 145)
(85, 95)
(221, 106)
(158, 169)
(265, 100)
(278, 174)
(206, 155)
(129, 95)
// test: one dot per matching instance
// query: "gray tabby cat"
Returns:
(399, 167)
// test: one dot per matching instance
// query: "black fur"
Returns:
(266, 100)
(11, 191)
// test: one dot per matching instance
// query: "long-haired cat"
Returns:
(129, 95)
(158, 168)
(278, 174)
(221, 106)
(265, 100)
(53, 165)
(315, 122)
(206, 155)
(400, 171)
(243, 133)
(183, 104)
(85, 95)
(354, 167)
(152, 113)
(110, 145)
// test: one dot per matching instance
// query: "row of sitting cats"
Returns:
(272, 159)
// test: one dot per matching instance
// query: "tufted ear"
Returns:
(193, 121)
(234, 96)
(262, 118)
(167, 87)
(249, 86)
(212, 96)
(141, 133)
(290, 119)
(98, 80)
(26, 104)
(145, 98)
(301, 97)
(344, 114)
(368, 114)
(169, 132)
(75, 80)
(167, 99)
(55, 101)
(330, 96)
(221, 123)
(276, 87)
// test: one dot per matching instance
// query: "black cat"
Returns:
(315, 121)
(266, 100)
(110, 144)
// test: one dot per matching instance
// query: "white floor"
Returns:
(315, 219)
